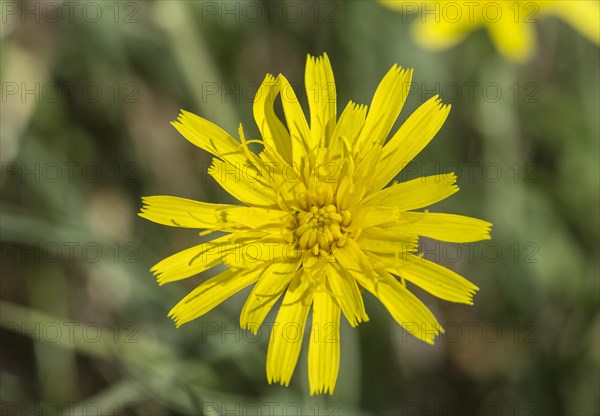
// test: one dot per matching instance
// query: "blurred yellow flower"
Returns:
(443, 24)
(317, 225)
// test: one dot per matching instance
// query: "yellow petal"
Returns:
(385, 107)
(212, 293)
(364, 171)
(274, 133)
(406, 309)
(258, 219)
(581, 14)
(416, 193)
(514, 39)
(232, 168)
(181, 212)
(347, 129)
(383, 240)
(365, 216)
(268, 249)
(191, 261)
(244, 183)
(354, 261)
(444, 227)
(296, 122)
(287, 333)
(321, 93)
(441, 33)
(210, 137)
(346, 293)
(265, 293)
(416, 133)
(435, 279)
(187, 213)
(324, 347)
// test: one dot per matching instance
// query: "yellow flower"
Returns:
(443, 24)
(317, 225)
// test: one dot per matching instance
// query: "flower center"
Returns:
(321, 228)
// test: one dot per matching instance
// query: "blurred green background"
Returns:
(88, 91)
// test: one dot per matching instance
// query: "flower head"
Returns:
(444, 24)
(317, 226)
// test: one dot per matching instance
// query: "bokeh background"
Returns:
(88, 91)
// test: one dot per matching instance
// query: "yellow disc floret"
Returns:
(321, 228)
